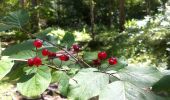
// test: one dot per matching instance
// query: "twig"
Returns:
(22, 60)
(60, 69)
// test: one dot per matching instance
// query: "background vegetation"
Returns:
(136, 30)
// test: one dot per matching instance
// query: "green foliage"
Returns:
(62, 80)
(140, 76)
(162, 85)
(74, 79)
(33, 85)
(89, 56)
(23, 50)
(5, 66)
(68, 39)
(125, 91)
(15, 19)
(86, 84)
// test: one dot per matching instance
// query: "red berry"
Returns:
(37, 61)
(38, 43)
(112, 61)
(30, 62)
(45, 52)
(76, 48)
(102, 55)
(96, 62)
(64, 58)
(51, 54)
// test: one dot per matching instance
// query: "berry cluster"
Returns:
(34, 61)
(102, 56)
(51, 55)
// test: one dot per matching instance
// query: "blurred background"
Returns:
(137, 30)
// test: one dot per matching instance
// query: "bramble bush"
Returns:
(42, 60)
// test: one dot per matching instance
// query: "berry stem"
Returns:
(36, 51)
(107, 66)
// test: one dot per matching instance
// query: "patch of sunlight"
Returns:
(81, 36)
(59, 33)
(7, 33)
(6, 91)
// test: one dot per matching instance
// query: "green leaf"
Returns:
(63, 81)
(4, 27)
(68, 39)
(140, 76)
(87, 84)
(89, 56)
(16, 72)
(33, 85)
(6, 65)
(30, 70)
(162, 84)
(120, 90)
(22, 50)
(15, 19)
(25, 49)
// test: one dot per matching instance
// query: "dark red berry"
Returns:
(76, 48)
(30, 62)
(112, 61)
(37, 61)
(64, 58)
(51, 54)
(38, 43)
(96, 62)
(102, 55)
(45, 52)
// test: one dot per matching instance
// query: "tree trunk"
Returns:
(34, 17)
(92, 18)
(110, 13)
(148, 9)
(121, 15)
(22, 3)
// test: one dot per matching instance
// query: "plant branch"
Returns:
(80, 61)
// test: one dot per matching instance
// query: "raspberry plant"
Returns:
(80, 75)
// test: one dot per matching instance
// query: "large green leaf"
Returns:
(16, 72)
(25, 49)
(33, 85)
(87, 84)
(63, 81)
(140, 76)
(4, 27)
(5, 66)
(120, 90)
(22, 50)
(162, 85)
(15, 19)
(68, 39)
